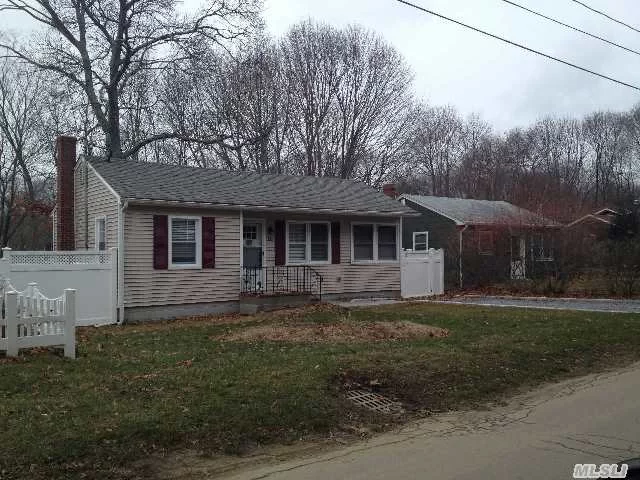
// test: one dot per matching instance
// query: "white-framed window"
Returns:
(308, 242)
(486, 244)
(100, 233)
(362, 242)
(420, 241)
(387, 242)
(250, 232)
(374, 242)
(185, 242)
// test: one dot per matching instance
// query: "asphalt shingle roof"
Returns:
(466, 211)
(152, 181)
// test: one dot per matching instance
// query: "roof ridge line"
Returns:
(237, 172)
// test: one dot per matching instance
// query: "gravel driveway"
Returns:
(590, 305)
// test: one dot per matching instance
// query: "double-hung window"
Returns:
(420, 241)
(185, 247)
(101, 233)
(372, 242)
(308, 242)
(363, 240)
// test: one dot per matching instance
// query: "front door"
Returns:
(252, 256)
(518, 257)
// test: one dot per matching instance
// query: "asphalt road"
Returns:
(593, 305)
(595, 419)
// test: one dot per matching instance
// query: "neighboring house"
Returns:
(196, 241)
(594, 226)
(484, 241)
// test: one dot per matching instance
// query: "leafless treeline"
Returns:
(212, 90)
(558, 166)
(320, 101)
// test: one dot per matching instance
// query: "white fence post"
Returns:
(11, 314)
(70, 323)
(5, 263)
(30, 291)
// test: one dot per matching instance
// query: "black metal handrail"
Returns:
(281, 280)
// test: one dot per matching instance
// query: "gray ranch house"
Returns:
(485, 241)
(195, 241)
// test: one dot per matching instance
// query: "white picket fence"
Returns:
(421, 273)
(92, 273)
(32, 320)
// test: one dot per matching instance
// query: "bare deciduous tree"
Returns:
(21, 146)
(101, 47)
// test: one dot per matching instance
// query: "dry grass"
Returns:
(139, 391)
(340, 332)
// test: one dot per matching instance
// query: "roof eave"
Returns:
(512, 225)
(589, 217)
(267, 208)
(457, 221)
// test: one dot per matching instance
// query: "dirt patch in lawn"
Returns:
(285, 314)
(341, 332)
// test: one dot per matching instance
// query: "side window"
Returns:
(101, 233)
(420, 241)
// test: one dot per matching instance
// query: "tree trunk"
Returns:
(113, 140)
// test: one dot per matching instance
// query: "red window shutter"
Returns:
(208, 242)
(335, 242)
(160, 242)
(280, 243)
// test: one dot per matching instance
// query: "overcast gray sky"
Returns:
(506, 85)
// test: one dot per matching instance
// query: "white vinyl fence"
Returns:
(422, 273)
(92, 273)
(29, 319)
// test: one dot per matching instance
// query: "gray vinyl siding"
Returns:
(345, 277)
(144, 286)
(100, 201)
(442, 231)
(79, 206)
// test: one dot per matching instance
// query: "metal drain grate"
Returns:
(374, 401)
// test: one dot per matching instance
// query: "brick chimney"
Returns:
(65, 163)
(390, 190)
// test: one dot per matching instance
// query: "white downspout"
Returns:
(460, 254)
